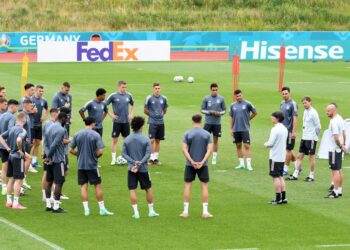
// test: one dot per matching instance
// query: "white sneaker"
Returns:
(32, 170)
(207, 215)
(213, 161)
(249, 168)
(153, 214)
(113, 162)
(240, 166)
(64, 197)
(184, 215)
(136, 216)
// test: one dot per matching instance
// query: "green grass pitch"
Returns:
(237, 199)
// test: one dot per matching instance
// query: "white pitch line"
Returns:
(254, 248)
(336, 245)
(346, 167)
(299, 82)
(30, 234)
(221, 171)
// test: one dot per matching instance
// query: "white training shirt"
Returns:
(336, 126)
(277, 143)
(311, 125)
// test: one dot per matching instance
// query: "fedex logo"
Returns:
(114, 51)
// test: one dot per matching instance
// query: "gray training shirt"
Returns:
(240, 112)
(47, 125)
(137, 147)
(88, 142)
(156, 105)
(96, 110)
(60, 99)
(7, 121)
(289, 110)
(216, 103)
(54, 142)
(40, 104)
(11, 136)
(197, 140)
(120, 103)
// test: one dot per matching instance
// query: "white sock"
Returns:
(114, 156)
(86, 205)
(336, 191)
(249, 161)
(134, 206)
(52, 195)
(215, 154)
(15, 201)
(186, 206)
(296, 172)
(48, 202)
(241, 161)
(4, 186)
(205, 208)
(340, 190)
(152, 157)
(101, 204)
(9, 198)
(44, 193)
(294, 163)
(156, 154)
(285, 168)
(56, 205)
(34, 159)
(151, 207)
(312, 174)
(332, 183)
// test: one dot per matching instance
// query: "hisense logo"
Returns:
(263, 51)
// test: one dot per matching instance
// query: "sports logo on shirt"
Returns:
(244, 107)
(218, 101)
(161, 102)
(287, 107)
(209, 103)
(94, 107)
(127, 99)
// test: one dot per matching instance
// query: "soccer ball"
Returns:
(178, 78)
(121, 160)
(190, 79)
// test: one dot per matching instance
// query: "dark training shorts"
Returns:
(120, 128)
(191, 172)
(156, 131)
(142, 177)
(276, 168)
(92, 176)
(213, 128)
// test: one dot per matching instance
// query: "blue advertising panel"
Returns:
(180, 41)
(294, 50)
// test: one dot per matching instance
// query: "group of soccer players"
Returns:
(22, 133)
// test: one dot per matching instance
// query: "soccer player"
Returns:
(311, 131)
(336, 149)
(241, 112)
(289, 109)
(18, 161)
(196, 147)
(277, 144)
(55, 159)
(37, 131)
(136, 150)
(53, 118)
(2, 91)
(7, 121)
(155, 107)
(87, 145)
(27, 106)
(120, 101)
(29, 90)
(213, 106)
(3, 105)
(97, 109)
(63, 99)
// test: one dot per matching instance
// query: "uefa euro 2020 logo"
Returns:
(4, 43)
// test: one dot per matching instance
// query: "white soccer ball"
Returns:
(178, 78)
(190, 79)
(121, 160)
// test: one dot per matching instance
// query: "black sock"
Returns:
(284, 195)
(278, 196)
